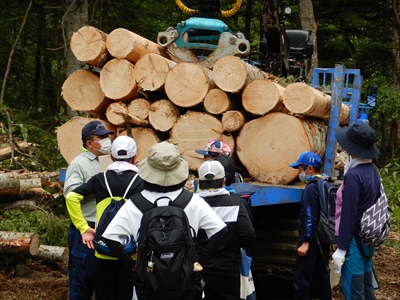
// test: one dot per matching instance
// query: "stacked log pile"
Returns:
(135, 89)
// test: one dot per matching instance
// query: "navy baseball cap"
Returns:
(96, 128)
(307, 158)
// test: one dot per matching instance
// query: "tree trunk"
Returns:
(217, 101)
(231, 74)
(262, 96)
(308, 22)
(233, 120)
(13, 187)
(19, 242)
(151, 71)
(207, 128)
(187, 84)
(267, 145)
(69, 136)
(82, 92)
(139, 108)
(75, 17)
(88, 44)
(163, 115)
(299, 98)
(122, 43)
(52, 253)
(117, 80)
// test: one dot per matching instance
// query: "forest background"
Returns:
(35, 60)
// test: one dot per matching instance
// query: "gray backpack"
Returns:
(375, 221)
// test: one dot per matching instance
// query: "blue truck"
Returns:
(276, 208)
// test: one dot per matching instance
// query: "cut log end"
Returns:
(19, 242)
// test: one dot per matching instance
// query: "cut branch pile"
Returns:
(136, 89)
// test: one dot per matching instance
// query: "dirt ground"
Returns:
(36, 280)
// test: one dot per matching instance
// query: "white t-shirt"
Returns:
(127, 220)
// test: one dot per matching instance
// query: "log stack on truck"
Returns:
(135, 87)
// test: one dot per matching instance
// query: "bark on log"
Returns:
(262, 96)
(19, 242)
(163, 115)
(122, 43)
(267, 145)
(29, 205)
(192, 131)
(69, 138)
(139, 108)
(233, 120)
(115, 113)
(82, 92)
(299, 98)
(89, 45)
(117, 80)
(151, 71)
(5, 153)
(52, 253)
(144, 138)
(231, 74)
(217, 102)
(187, 84)
(128, 118)
(19, 187)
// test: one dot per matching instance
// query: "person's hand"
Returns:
(338, 259)
(87, 237)
(302, 250)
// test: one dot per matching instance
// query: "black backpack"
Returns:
(166, 255)
(327, 200)
(108, 214)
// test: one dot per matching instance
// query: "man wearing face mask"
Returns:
(311, 259)
(82, 263)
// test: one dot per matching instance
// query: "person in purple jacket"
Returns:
(360, 190)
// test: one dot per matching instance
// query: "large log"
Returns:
(262, 96)
(117, 80)
(82, 92)
(139, 108)
(299, 98)
(19, 242)
(69, 137)
(231, 74)
(15, 187)
(267, 145)
(151, 71)
(187, 84)
(52, 253)
(88, 44)
(192, 131)
(163, 115)
(217, 101)
(122, 43)
(144, 138)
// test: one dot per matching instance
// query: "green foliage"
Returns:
(390, 176)
(52, 230)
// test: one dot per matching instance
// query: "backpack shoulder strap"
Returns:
(127, 189)
(141, 202)
(183, 199)
(324, 205)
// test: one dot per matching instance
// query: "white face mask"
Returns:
(303, 176)
(105, 146)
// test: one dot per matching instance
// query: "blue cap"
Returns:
(307, 158)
